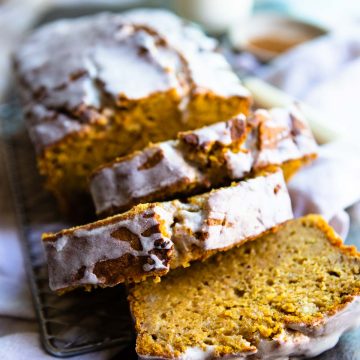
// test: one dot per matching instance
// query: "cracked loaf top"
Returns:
(73, 71)
(152, 238)
(203, 158)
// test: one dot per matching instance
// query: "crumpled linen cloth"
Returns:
(324, 73)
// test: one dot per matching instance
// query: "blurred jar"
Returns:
(326, 13)
(216, 16)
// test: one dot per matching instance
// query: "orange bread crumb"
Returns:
(290, 293)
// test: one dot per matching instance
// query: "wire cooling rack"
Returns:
(77, 322)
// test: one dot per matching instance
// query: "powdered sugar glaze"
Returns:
(214, 220)
(124, 182)
(87, 246)
(71, 65)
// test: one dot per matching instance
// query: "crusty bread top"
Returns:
(71, 70)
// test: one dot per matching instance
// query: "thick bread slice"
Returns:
(209, 157)
(288, 294)
(152, 238)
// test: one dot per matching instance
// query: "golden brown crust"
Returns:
(291, 167)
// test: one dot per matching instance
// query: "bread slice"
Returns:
(105, 85)
(152, 238)
(287, 294)
(209, 157)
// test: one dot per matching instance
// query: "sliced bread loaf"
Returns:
(152, 238)
(291, 293)
(209, 157)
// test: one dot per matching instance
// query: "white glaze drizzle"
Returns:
(237, 222)
(85, 247)
(122, 182)
(219, 132)
(289, 146)
(243, 210)
(130, 55)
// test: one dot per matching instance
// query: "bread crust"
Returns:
(153, 238)
(205, 158)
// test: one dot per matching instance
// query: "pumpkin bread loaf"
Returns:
(151, 238)
(288, 294)
(209, 157)
(102, 86)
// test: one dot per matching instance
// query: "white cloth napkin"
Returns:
(324, 73)
(329, 185)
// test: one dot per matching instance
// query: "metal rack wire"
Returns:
(77, 322)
